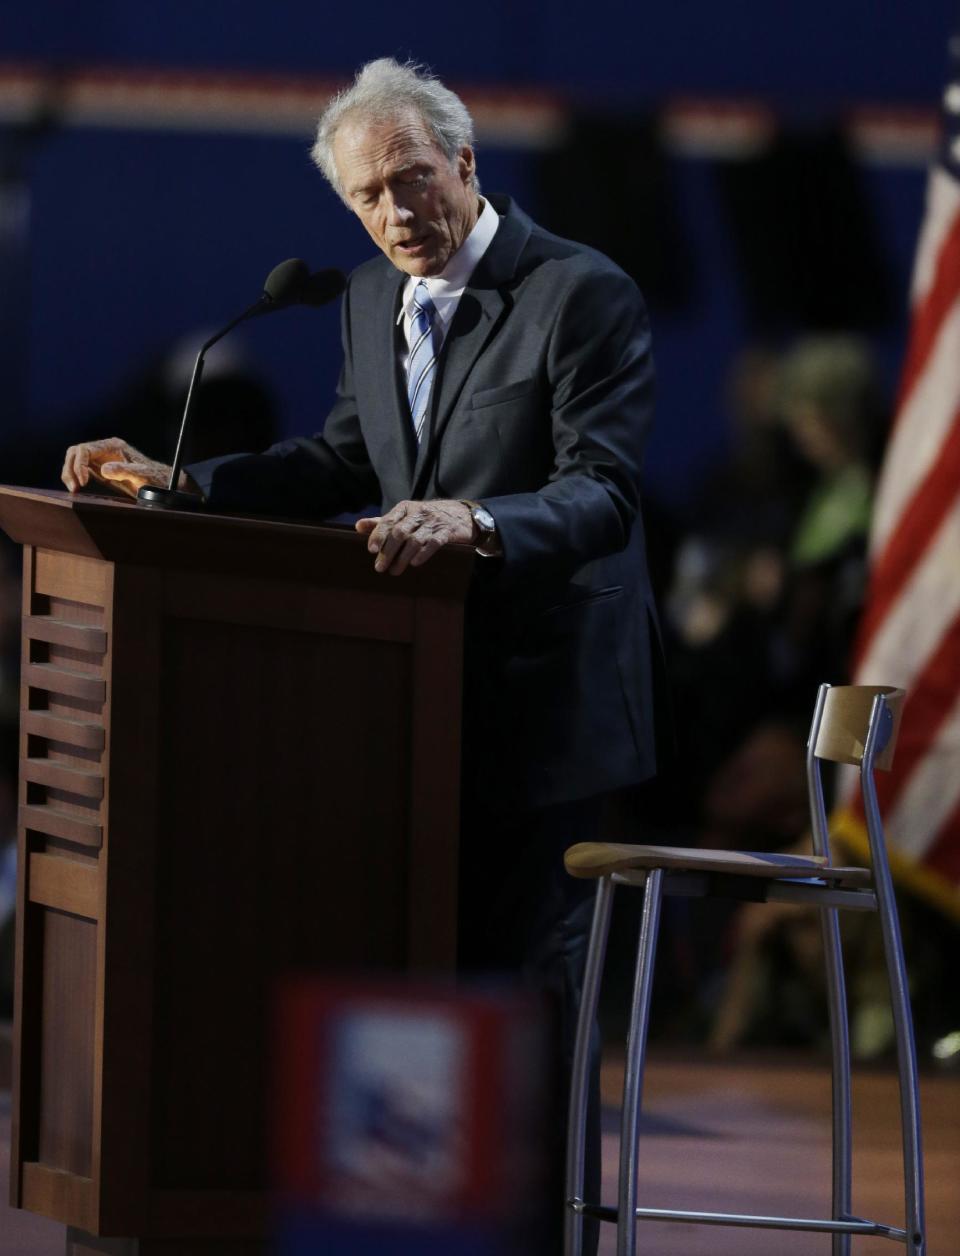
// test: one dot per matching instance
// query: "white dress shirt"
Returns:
(447, 288)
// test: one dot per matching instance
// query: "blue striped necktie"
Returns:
(424, 346)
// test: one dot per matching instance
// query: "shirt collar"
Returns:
(450, 283)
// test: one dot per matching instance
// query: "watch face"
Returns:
(484, 519)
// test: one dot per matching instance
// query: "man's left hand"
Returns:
(412, 532)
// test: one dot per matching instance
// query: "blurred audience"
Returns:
(762, 606)
(830, 401)
(768, 583)
(766, 593)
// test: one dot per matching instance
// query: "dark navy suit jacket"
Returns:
(540, 408)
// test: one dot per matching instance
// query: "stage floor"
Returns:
(753, 1135)
(738, 1135)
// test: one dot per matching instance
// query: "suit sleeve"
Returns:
(600, 372)
(307, 477)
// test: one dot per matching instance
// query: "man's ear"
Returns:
(466, 164)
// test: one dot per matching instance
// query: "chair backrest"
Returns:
(845, 723)
(840, 732)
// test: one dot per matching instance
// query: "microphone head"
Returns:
(322, 286)
(291, 283)
(284, 282)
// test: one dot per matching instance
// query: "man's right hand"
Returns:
(118, 463)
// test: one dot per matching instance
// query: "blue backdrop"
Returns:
(804, 51)
(139, 237)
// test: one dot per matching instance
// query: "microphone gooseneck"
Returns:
(289, 283)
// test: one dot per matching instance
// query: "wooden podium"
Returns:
(239, 758)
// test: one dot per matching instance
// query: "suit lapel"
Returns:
(393, 410)
(483, 306)
(473, 324)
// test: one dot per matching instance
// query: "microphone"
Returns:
(289, 283)
(285, 280)
(322, 287)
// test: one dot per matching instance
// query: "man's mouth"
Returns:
(411, 245)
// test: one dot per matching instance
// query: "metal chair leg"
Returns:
(836, 997)
(881, 724)
(906, 1064)
(580, 1075)
(840, 1053)
(633, 1075)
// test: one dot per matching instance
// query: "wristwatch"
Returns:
(486, 541)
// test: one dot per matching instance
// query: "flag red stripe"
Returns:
(944, 855)
(915, 529)
(932, 311)
(915, 541)
(932, 697)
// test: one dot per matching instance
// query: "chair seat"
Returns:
(600, 859)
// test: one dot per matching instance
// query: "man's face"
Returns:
(417, 207)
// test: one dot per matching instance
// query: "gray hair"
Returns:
(381, 91)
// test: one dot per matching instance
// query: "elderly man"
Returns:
(496, 392)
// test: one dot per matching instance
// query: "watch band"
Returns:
(486, 542)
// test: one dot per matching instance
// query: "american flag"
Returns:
(909, 635)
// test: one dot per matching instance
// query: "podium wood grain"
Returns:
(239, 758)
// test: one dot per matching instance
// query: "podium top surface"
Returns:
(120, 531)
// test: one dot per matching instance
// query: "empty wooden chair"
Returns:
(851, 724)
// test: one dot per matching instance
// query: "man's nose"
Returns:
(399, 215)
